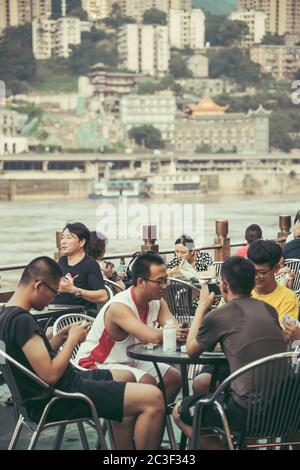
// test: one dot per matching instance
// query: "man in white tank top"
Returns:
(131, 317)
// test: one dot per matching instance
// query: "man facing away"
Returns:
(247, 329)
(131, 317)
(265, 255)
(139, 406)
(252, 233)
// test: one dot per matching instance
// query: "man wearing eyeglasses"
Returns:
(265, 255)
(131, 317)
(137, 411)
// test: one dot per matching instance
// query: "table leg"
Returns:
(185, 393)
(214, 379)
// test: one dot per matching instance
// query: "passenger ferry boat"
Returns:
(116, 188)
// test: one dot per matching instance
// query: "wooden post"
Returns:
(285, 223)
(222, 239)
(58, 253)
(149, 237)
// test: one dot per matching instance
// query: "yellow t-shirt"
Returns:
(283, 300)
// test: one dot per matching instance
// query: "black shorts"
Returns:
(235, 413)
(107, 396)
(223, 372)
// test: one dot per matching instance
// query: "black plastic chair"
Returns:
(272, 408)
(6, 363)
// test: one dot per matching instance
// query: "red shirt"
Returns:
(243, 251)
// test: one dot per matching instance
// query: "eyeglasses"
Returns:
(55, 292)
(160, 282)
(261, 275)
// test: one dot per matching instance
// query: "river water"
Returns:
(28, 228)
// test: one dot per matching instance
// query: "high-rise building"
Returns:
(180, 4)
(281, 62)
(283, 16)
(19, 12)
(187, 28)
(144, 48)
(256, 22)
(97, 9)
(54, 37)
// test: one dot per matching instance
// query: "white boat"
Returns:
(118, 188)
(174, 183)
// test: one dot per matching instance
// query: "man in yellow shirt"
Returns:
(265, 255)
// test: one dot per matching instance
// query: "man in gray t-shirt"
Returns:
(247, 329)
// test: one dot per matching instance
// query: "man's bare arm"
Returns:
(51, 370)
(123, 317)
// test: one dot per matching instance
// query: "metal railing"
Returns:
(221, 247)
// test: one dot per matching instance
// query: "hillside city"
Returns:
(119, 76)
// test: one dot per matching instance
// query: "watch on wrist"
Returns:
(78, 293)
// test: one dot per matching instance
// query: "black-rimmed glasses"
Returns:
(160, 282)
(55, 292)
(261, 275)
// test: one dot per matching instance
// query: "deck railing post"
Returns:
(285, 223)
(222, 252)
(149, 237)
(58, 253)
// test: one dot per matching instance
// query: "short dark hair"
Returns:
(253, 232)
(264, 251)
(187, 241)
(79, 229)
(96, 246)
(239, 273)
(42, 268)
(142, 264)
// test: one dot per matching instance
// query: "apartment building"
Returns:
(283, 16)
(256, 22)
(280, 61)
(144, 49)
(10, 124)
(187, 28)
(19, 12)
(158, 110)
(97, 9)
(52, 38)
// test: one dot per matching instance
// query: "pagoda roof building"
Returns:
(206, 107)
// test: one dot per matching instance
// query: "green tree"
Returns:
(223, 32)
(178, 67)
(272, 40)
(236, 64)
(147, 136)
(147, 88)
(17, 63)
(95, 47)
(155, 16)
(116, 18)
(279, 132)
(79, 13)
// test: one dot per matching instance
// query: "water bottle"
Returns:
(169, 337)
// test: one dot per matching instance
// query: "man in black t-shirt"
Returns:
(141, 407)
(82, 283)
(248, 330)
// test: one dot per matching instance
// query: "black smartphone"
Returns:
(214, 288)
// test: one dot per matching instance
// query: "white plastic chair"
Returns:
(294, 264)
(67, 320)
